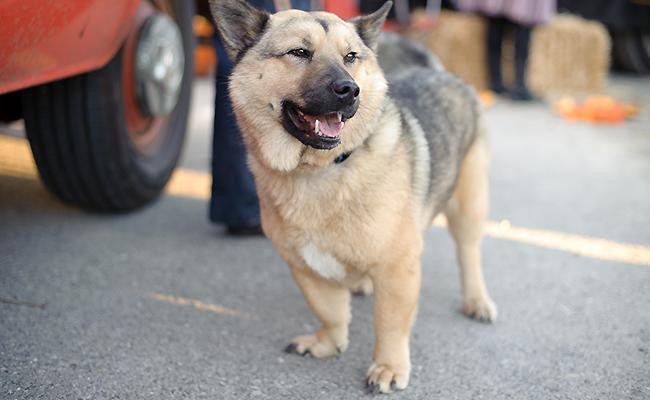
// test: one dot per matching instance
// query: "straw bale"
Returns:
(570, 55)
(459, 41)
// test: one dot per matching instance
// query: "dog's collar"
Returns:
(342, 157)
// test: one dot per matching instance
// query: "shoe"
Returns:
(499, 88)
(245, 230)
(521, 94)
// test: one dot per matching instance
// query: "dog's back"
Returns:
(395, 52)
(440, 114)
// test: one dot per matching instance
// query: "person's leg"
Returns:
(522, 44)
(304, 5)
(495, 29)
(234, 199)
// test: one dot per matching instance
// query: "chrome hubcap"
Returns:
(160, 63)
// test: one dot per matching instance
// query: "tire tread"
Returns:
(78, 135)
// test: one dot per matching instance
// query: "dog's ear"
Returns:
(369, 26)
(239, 24)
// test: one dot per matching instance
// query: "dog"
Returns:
(351, 167)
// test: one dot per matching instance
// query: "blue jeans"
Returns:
(234, 199)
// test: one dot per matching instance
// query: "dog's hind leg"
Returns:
(330, 302)
(466, 213)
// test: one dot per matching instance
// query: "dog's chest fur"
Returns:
(322, 263)
(341, 219)
(337, 221)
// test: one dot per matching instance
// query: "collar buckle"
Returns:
(342, 157)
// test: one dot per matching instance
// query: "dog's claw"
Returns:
(291, 348)
(382, 378)
(481, 310)
(313, 346)
(481, 318)
(373, 388)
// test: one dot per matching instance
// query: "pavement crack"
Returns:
(23, 303)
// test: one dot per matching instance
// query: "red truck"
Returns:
(104, 88)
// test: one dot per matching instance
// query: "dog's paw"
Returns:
(363, 288)
(382, 378)
(481, 309)
(312, 345)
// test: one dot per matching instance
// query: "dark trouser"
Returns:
(496, 27)
(234, 199)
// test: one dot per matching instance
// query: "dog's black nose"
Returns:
(346, 90)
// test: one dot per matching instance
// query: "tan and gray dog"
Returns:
(352, 166)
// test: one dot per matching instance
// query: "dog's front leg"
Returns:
(396, 295)
(330, 302)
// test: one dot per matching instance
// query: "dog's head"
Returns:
(302, 82)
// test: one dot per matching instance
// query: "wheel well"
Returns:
(10, 107)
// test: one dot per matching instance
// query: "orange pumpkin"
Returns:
(566, 107)
(205, 59)
(487, 98)
(598, 109)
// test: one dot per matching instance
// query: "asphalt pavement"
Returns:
(160, 304)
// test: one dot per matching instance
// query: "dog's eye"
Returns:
(350, 57)
(300, 53)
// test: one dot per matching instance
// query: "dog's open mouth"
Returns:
(317, 131)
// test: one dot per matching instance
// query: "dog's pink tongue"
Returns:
(330, 126)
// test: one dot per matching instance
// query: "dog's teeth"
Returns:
(317, 127)
(339, 115)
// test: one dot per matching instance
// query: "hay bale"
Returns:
(459, 41)
(570, 55)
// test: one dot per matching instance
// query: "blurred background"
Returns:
(115, 283)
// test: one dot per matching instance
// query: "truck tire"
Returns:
(83, 145)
